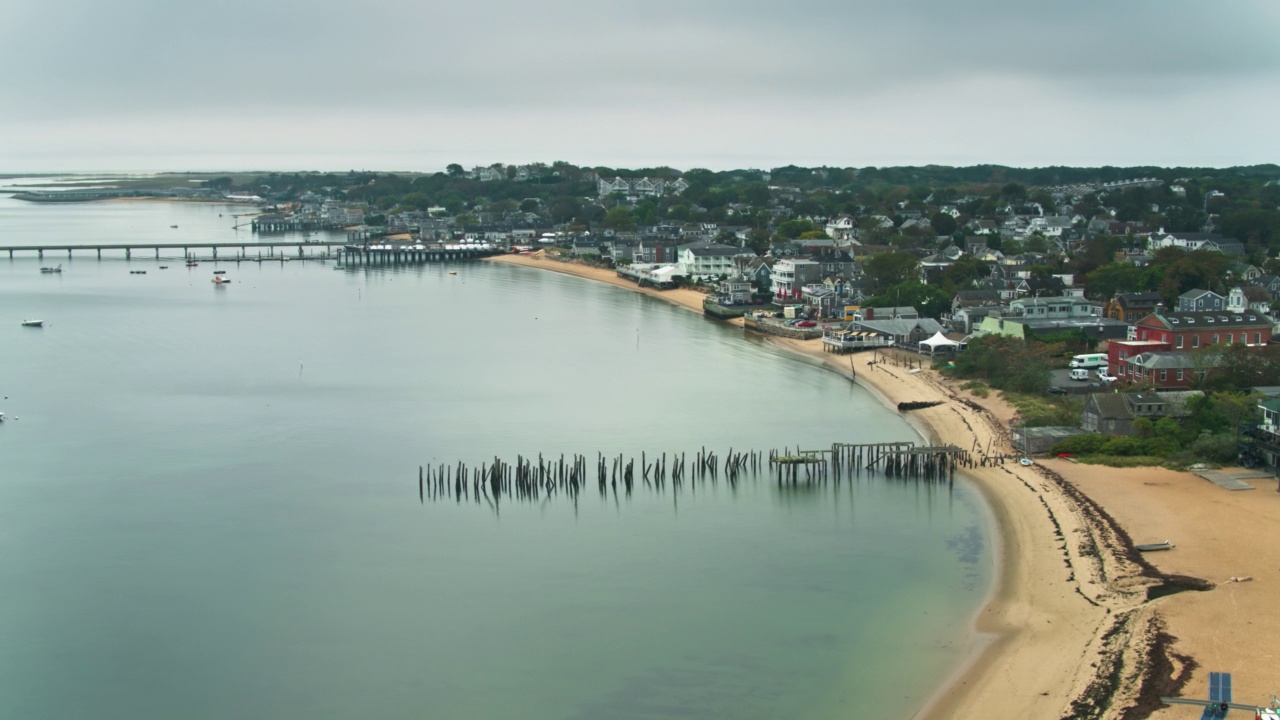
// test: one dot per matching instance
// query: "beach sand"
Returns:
(1068, 631)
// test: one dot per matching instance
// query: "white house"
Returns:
(706, 259)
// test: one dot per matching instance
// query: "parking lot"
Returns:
(1062, 379)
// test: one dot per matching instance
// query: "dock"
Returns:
(385, 253)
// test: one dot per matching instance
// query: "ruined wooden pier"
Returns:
(532, 479)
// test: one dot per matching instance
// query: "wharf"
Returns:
(349, 253)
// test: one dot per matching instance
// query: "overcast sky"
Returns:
(416, 84)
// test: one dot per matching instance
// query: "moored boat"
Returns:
(220, 280)
(48, 270)
(32, 323)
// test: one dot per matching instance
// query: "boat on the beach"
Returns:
(1151, 547)
(49, 270)
(1027, 461)
(32, 323)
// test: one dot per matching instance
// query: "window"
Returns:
(1215, 338)
(1229, 338)
(1179, 342)
(1195, 341)
(1163, 375)
(1179, 374)
(1257, 338)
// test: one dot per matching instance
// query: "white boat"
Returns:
(1027, 461)
(220, 280)
(1151, 547)
(48, 270)
(32, 323)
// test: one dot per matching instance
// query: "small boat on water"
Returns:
(32, 323)
(219, 280)
(50, 270)
(173, 226)
(137, 272)
(219, 272)
(453, 272)
(1152, 547)
(164, 267)
(192, 263)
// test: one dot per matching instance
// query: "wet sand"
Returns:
(1068, 630)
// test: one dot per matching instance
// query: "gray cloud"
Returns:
(145, 73)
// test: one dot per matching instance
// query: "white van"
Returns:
(1089, 360)
(1102, 373)
(1079, 373)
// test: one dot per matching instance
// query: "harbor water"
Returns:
(209, 503)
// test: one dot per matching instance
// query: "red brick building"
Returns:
(1161, 351)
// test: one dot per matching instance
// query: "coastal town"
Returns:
(1099, 340)
(1171, 276)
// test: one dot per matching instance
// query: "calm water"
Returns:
(208, 501)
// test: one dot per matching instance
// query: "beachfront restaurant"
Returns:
(845, 341)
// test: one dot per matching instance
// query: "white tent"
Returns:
(939, 342)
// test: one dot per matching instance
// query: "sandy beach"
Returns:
(1068, 631)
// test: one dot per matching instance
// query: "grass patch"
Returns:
(1120, 461)
(1045, 410)
(977, 387)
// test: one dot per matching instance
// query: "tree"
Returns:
(943, 224)
(929, 300)
(453, 169)
(1007, 363)
(758, 240)
(794, 228)
(885, 270)
(618, 218)
(1105, 281)
(564, 208)
(961, 274)
(1013, 192)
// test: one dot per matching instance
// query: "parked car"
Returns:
(1055, 390)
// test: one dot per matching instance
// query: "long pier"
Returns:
(347, 252)
(536, 480)
(239, 249)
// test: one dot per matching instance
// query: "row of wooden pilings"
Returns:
(895, 459)
(530, 479)
(409, 255)
(533, 480)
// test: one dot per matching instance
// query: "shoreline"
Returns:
(1061, 616)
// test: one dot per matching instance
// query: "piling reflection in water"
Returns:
(537, 480)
